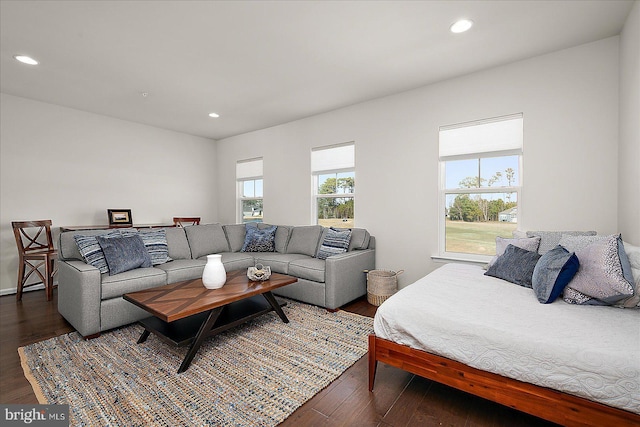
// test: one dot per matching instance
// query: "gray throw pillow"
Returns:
(527, 243)
(601, 274)
(551, 239)
(124, 253)
(515, 265)
(553, 272)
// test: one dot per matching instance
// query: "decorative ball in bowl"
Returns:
(259, 272)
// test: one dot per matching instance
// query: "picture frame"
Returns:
(120, 217)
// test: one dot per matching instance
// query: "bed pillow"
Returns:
(124, 253)
(257, 240)
(336, 241)
(553, 272)
(515, 265)
(527, 243)
(551, 239)
(601, 275)
(92, 252)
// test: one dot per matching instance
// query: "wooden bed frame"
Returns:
(539, 401)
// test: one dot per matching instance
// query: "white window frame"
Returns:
(247, 170)
(316, 171)
(458, 154)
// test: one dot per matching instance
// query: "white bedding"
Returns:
(496, 326)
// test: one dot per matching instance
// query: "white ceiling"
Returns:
(263, 63)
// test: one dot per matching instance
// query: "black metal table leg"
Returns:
(204, 330)
(276, 307)
(144, 336)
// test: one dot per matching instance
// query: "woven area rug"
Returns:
(256, 374)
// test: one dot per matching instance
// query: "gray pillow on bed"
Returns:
(515, 265)
(553, 272)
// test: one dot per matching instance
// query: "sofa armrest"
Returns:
(345, 279)
(79, 293)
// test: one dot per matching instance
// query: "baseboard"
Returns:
(13, 291)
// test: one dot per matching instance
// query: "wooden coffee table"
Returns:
(187, 312)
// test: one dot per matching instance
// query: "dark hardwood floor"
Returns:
(399, 398)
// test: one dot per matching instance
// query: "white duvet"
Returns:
(493, 325)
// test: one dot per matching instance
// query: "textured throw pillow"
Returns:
(527, 243)
(257, 240)
(92, 252)
(124, 253)
(553, 272)
(515, 265)
(156, 243)
(336, 241)
(551, 239)
(601, 274)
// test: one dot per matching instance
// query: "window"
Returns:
(250, 191)
(334, 179)
(480, 182)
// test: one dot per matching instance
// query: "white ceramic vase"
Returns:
(214, 274)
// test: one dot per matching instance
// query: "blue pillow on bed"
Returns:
(515, 265)
(553, 272)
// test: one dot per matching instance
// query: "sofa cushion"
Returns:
(304, 240)
(553, 272)
(279, 263)
(237, 260)
(183, 269)
(131, 281)
(235, 236)
(90, 250)
(177, 243)
(124, 253)
(283, 233)
(206, 239)
(257, 240)
(515, 265)
(359, 239)
(308, 268)
(334, 241)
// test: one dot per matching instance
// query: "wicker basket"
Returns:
(381, 284)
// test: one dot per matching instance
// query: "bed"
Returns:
(570, 364)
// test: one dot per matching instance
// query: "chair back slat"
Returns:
(184, 221)
(30, 236)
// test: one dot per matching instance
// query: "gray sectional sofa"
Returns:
(92, 302)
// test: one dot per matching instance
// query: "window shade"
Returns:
(499, 135)
(333, 157)
(247, 169)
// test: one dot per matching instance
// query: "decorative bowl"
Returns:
(259, 273)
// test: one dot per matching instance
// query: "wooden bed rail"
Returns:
(551, 405)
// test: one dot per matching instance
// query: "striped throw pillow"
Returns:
(91, 250)
(336, 241)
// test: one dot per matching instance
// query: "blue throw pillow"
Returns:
(256, 240)
(124, 253)
(336, 241)
(515, 265)
(553, 272)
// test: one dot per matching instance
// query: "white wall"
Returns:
(629, 155)
(70, 166)
(570, 105)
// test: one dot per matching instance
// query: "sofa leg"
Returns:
(332, 310)
(90, 337)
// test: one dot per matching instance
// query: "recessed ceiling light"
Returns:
(214, 115)
(26, 59)
(461, 26)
